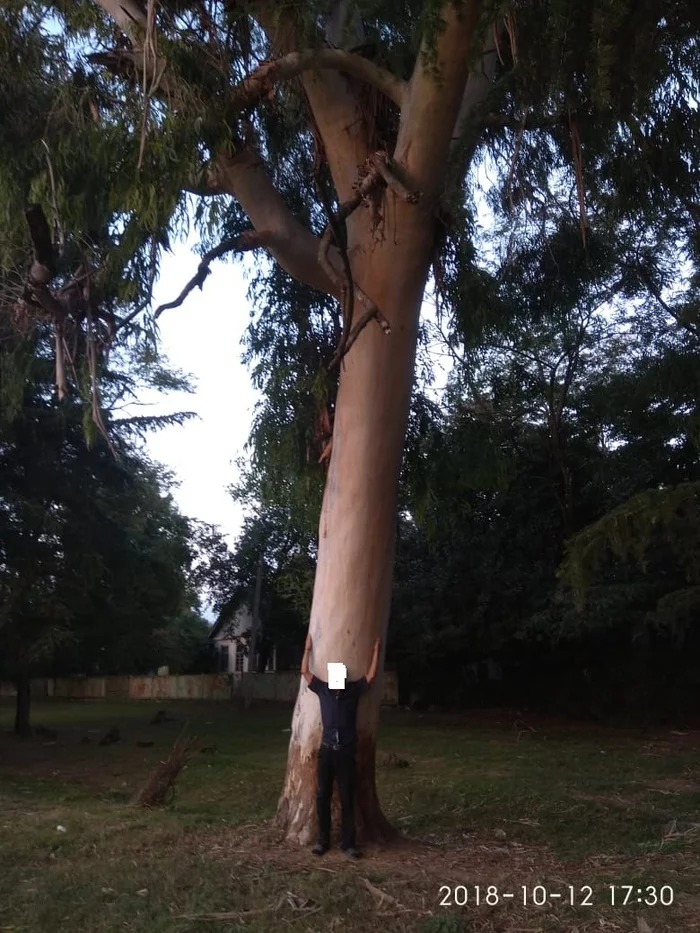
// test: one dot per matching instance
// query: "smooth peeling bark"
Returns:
(357, 528)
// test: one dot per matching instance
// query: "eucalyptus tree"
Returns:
(342, 141)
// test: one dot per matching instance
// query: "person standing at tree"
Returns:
(336, 756)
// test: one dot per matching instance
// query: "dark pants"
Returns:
(338, 763)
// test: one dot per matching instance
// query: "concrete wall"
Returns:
(282, 687)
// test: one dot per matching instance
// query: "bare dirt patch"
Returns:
(675, 786)
(405, 879)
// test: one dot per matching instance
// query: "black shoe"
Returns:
(320, 849)
(352, 852)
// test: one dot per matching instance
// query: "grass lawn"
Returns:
(486, 800)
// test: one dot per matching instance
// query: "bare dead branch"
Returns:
(61, 388)
(319, 158)
(43, 268)
(250, 239)
(347, 289)
(373, 313)
(344, 286)
(156, 789)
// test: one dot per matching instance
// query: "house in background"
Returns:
(231, 638)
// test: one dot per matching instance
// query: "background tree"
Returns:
(269, 546)
(93, 554)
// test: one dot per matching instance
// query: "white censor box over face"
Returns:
(337, 672)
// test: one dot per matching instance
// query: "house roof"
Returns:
(230, 620)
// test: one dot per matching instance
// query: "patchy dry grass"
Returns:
(487, 801)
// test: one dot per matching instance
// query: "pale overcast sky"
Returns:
(203, 337)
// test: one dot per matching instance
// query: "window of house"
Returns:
(223, 657)
(239, 659)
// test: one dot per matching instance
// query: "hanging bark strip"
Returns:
(379, 170)
(61, 387)
(578, 168)
(347, 297)
(509, 23)
(150, 67)
(66, 309)
(514, 160)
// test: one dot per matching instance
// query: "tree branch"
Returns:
(250, 239)
(127, 14)
(43, 267)
(432, 101)
(656, 294)
(506, 121)
(293, 246)
(347, 287)
(243, 174)
(291, 65)
(261, 81)
(332, 100)
(478, 87)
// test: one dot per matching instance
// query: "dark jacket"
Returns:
(339, 709)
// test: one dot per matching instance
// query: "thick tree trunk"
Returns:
(358, 520)
(22, 724)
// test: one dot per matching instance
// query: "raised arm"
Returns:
(305, 672)
(372, 672)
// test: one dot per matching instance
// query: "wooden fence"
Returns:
(282, 687)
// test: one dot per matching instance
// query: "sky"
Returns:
(203, 338)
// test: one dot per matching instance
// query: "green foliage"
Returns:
(653, 522)
(94, 557)
(272, 546)
(183, 644)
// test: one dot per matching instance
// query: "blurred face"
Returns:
(337, 673)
